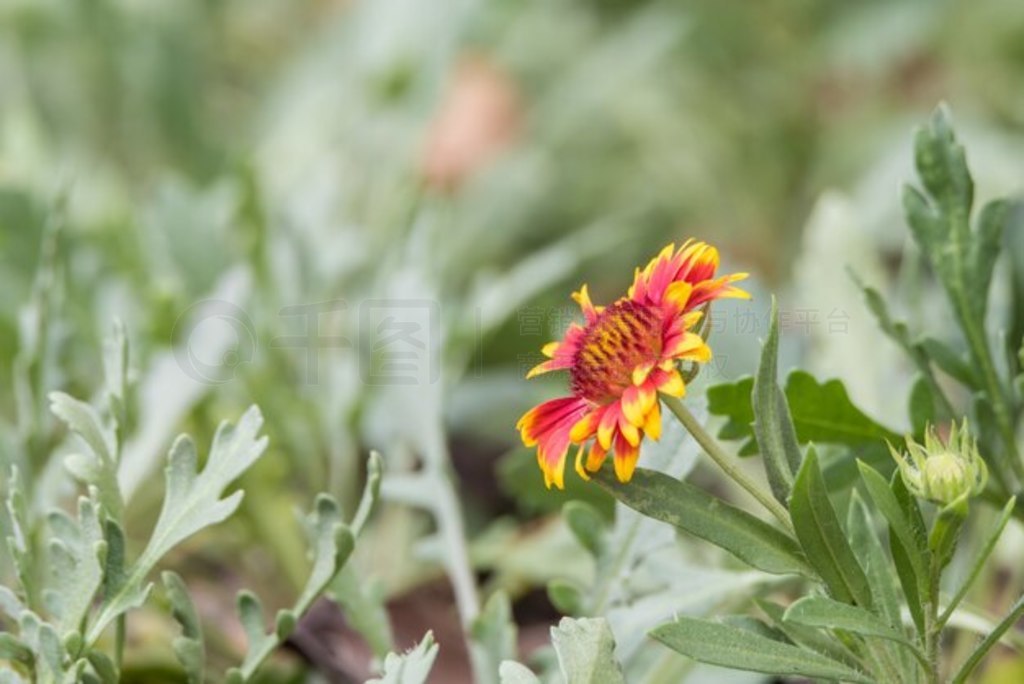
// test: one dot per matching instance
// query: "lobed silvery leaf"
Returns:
(77, 552)
(411, 667)
(332, 543)
(10, 604)
(98, 464)
(362, 600)
(192, 502)
(189, 648)
(42, 638)
(18, 543)
(586, 651)
(193, 497)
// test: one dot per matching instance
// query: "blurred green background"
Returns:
(487, 157)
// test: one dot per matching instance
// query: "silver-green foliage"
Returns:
(62, 616)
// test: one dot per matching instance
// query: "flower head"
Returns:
(943, 471)
(620, 358)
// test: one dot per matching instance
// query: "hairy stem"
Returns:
(726, 462)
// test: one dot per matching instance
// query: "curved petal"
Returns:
(626, 455)
(547, 427)
(582, 297)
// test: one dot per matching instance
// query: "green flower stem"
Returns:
(933, 629)
(726, 462)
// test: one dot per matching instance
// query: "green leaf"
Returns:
(773, 425)
(739, 649)
(945, 533)
(978, 561)
(412, 667)
(755, 626)
(913, 590)
(493, 637)
(822, 538)
(951, 362)
(816, 640)
(189, 647)
(586, 648)
(77, 550)
(565, 596)
(98, 464)
(826, 613)
(988, 642)
(332, 543)
(821, 412)
(963, 259)
(693, 510)
(867, 546)
(921, 406)
(587, 524)
(104, 667)
(1013, 247)
(905, 528)
(192, 502)
(732, 400)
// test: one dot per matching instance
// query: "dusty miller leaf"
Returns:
(98, 464)
(586, 648)
(361, 599)
(412, 667)
(192, 502)
(332, 544)
(18, 543)
(77, 551)
(189, 647)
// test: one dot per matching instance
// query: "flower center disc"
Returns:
(623, 336)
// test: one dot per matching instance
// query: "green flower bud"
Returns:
(943, 472)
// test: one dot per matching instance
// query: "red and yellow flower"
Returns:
(620, 358)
